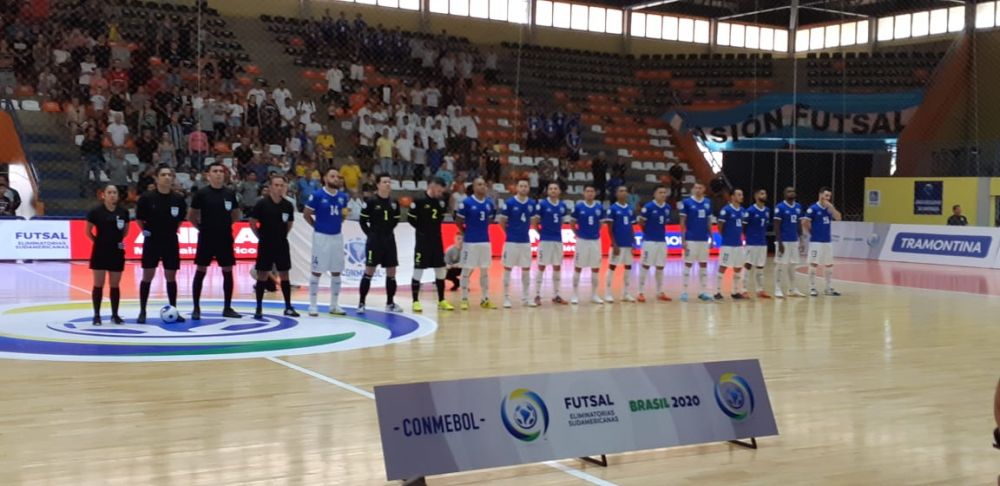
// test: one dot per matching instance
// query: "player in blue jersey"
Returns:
(696, 217)
(551, 212)
(786, 233)
(473, 216)
(325, 211)
(758, 218)
(731, 221)
(620, 221)
(517, 215)
(653, 217)
(816, 223)
(588, 217)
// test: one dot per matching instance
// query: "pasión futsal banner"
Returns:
(449, 426)
(814, 120)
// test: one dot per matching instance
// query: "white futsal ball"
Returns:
(168, 314)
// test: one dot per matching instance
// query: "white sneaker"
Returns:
(313, 312)
(337, 311)
(596, 300)
(506, 303)
(813, 292)
(574, 300)
(609, 299)
(796, 293)
(778, 294)
(393, 307)
(527, 303)
(629, 298)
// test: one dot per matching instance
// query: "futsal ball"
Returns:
(168, 314)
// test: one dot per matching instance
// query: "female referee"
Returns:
(108, 254)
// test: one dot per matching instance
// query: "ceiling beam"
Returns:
(650, 4)
(838, 12)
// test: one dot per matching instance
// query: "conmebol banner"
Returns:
(814, 120)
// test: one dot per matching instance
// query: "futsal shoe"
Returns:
(313, 312)
(487, 304)
(609, 299)
(527, 303)
(684, 297)
(142, 318)
(663, 297)
(705, 297)
(337, 311)
(737, 296)
(574, 300)
(538, 301)
(831, 293)
(763, 295)
(417, 307)
(231, 314)
(744, 295)
(258, 315)
(596, 300)
(196, 315)
(179, 319)
(360, 309)
(717, 296)
(813, 292)
(559, 300)
(445, 305)
(393, 307)
(117, 320)
(291, 312)
(641, 298)
(796, 293)
(506, 303)
(629, 298)
(778, 294)
(464, 305)
(96, 321)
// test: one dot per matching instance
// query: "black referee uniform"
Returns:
(215, 242)
(426, 215)
(161, 214)
(108, 253)
(379, 218)
(273, 221)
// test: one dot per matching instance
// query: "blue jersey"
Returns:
(328, 210)
(518, 215)
(756, 225)
(820, 219)
(654, 217)
(477, 216)
(551, 218)
(697, 216)
(589, 220)
(789, 217)
(622, 219)
(732, 229)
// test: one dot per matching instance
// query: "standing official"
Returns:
(517, 215)
(426, 215)
(108, 254)
(271, 220)
(325, 212)
(213, 211)
(473, 217)
(379, 217)
(159, 213)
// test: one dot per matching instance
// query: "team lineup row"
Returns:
(214, 209)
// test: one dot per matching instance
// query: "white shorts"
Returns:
(550, 253)
(623, 257)
(697, 251)
(821, 254)
(790, 255)
(517, 255)
(327, 253)
(588, 254)
(476, 255)
(654, 254)
(732, 256)
(756, 256)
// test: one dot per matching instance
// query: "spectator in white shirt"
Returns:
(438, 134)
(490, 67)
(258, 93)
(357, 71)
(429, 60)
(366, 139)
(419, 158)
(404, 154)
(465, 68)
(118, 132)
(293, 144)
(432, 97)
(470, 126)
(456, 123)
(87, 68)
(306, 108)
(98, 101)
(417, 98)
(335, 80)
(281, 95)
(454, 110)
(448, 66)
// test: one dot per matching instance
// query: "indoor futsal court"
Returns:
(888, 384)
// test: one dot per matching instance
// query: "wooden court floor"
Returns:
(887, 384)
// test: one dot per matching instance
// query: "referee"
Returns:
(379, 217)
(158, 214)
(425, 216)
(271, 221)
(213, 210)
(108, 254)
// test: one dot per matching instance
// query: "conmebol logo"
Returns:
(970, 246)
